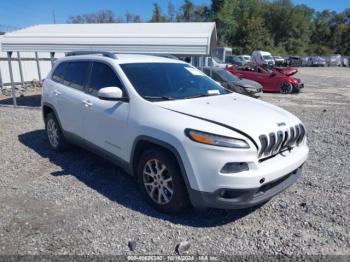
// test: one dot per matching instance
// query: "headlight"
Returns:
(215, 140)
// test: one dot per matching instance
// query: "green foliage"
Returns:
(278, 26)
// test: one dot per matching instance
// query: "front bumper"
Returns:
(244, 198)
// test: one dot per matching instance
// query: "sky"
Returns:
(23, 13)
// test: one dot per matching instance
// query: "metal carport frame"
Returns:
(192, 39)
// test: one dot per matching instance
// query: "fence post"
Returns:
(13, 88)
(38, 65)
(52, 56)
(20, 68)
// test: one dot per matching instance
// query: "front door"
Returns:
(106, 122)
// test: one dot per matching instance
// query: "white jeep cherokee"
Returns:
(185, 138)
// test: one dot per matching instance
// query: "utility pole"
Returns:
(53, 16)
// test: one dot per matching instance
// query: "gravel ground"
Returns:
(77, 203)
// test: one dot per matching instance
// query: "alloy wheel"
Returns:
(52, 132)
(158, 181)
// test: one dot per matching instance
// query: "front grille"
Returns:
(274, 143)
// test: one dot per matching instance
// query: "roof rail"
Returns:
(103, 53)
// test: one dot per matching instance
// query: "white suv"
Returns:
(185, 138)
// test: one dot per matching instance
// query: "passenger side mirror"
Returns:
(111, 93)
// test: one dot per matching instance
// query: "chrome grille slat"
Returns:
(302, 134)
(271, 144)
(275, 142)
(277, 146)
(263, 142)
(292, 137)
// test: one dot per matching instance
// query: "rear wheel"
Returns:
(286, 88)
(160, 181)
(54, 133)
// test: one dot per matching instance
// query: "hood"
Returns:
(249, 115)
(246, 83)
(287, 71)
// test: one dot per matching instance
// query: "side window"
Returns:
(76, 74)
(57, 75)
(216, 77)
(102, 76)
(210, 61)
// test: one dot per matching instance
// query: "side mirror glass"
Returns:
(111, 93)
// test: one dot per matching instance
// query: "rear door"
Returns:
(106, 122)
(70, 96)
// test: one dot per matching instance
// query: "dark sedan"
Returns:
(234, 83)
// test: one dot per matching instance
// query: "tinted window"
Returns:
(76, 74)
(170, 81)
(216, 77)
(228, 76)
(102, 76)
(59, 72)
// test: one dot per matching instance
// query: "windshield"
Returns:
(267, 57)
(166, 81)
(217, 60)
(230, 77)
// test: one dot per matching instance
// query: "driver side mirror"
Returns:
(111, 93)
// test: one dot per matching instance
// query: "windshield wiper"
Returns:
(201, 95)
(160, 97)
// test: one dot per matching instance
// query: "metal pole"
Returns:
(38, 65)
(20, 68)
(52, 56)
(13, 88)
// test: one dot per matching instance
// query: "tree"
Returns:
(157, 14)
(171, 11)
(132, 18)
(105, 16)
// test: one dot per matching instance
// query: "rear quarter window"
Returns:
(58, 74)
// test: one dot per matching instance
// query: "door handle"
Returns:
(87, 103)
(56, 93)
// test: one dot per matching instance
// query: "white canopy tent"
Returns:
(155, 38)
(187, 39)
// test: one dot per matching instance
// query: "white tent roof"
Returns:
(163, 38)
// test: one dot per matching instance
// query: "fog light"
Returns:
(234, 168)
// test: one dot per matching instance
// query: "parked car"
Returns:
(304, 61)
(222, 53)
(184, 137)
(234, 83)
(246, 58)
(279, 61)
(263, 58)
(316, 61)
(288, 71)
(235, 60)
(334, 60)
(214, 61)
(294, 61)
(271, 80)
(345, 61)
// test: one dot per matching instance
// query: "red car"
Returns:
(271, 80)
(286, 70)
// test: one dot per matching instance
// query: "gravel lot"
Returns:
(77, 203)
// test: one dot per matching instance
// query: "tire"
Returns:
(286, 88)
(54, 133)
(296, 90)
(164, 190)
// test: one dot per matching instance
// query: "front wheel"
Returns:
(160, 181)
(286, 88)
(54, 133)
